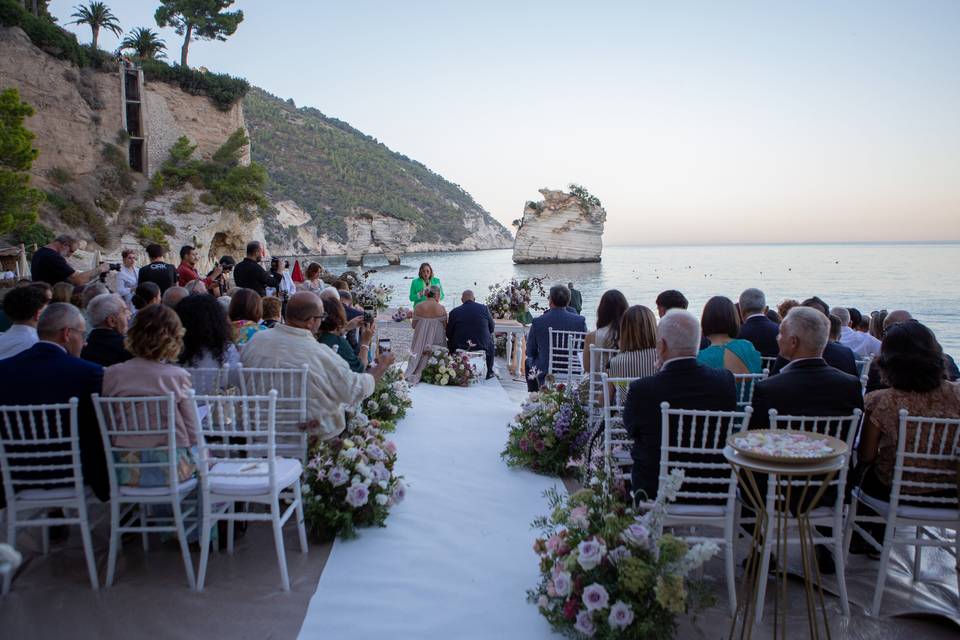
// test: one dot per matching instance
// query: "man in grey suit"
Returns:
(538, 340)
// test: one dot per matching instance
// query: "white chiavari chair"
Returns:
(927, 460)
(745, 384)
(767, 362)
(40, 466)
(566, 349)
(144, 466)
(598, 358)
(239, 463)
(291, 387)
(617, 444)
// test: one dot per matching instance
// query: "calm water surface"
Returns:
(921, 278)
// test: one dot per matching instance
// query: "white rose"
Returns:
(382, 499)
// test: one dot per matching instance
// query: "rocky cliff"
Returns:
(563, 227)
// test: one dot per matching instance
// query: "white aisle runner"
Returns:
(455, 559)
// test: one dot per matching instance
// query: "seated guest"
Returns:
(673, 299)
(246, 311)
(62, 292)
(471, 327)
(272, 307)
(155, 339)
(538, 340)
(773, 315)
(807, 385)
(91, 291)
(609, 312)
(195, 287)
(23, 306)
(429, 330)
(331, 386)
(50, 372)
(683, 382)
(835, 325)
(331, 334)
(875, 380)
(720, 323)
(172, 296)
(784, 307)
(862, 344)
(109, 315)
(208, 338)
(911, 362)
(876, 323)
(637, 357)
(146, 294)
(835, 354)
(757, 328)
(353, 325)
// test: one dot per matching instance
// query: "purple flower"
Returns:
(595, 597)
(357, 495)
(585, 624)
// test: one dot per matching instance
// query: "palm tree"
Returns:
(145, 43)
(98, 16)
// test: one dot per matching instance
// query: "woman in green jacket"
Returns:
(418, 288)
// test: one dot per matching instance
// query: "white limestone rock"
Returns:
(560, 228)
(369, 233)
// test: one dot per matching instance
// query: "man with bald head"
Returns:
(875, 382)
(331, 385)
(51, 372)
(807, 385)
(683, 382)
(470, 327)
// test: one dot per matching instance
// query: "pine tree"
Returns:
(198, 20)
(18, 200)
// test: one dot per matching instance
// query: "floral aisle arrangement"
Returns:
(445, 368)
(349, 481)
(551, 430)
(402, 314)
(390, 399)
(607, 572)
(372, 294)
(513, 299)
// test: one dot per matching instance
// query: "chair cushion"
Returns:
(288, 472)
(39, 495)
(146, 492)
(697, 510)
(908, 512)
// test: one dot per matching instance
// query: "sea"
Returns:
(920, 277)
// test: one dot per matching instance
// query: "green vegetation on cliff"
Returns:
(19, 201)
(333, 171)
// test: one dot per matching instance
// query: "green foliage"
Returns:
(98, 16)
(18, 200)
(60, 175)
(224, 90)
(32, 233)
(145, 44)
(77, 214)
(48, 36)
(585, 196)
(230, 152)
(198, 20)
(185, 204)
(153, 234)
(331, 169)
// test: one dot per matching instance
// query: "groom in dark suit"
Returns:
(538, 340)
(50, 372)
(470, 327)
(683, 382)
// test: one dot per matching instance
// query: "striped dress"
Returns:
(633, 364)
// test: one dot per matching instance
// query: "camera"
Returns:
(114, 266)
(367, 317)
(383, 344)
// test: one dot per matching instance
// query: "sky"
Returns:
(693, 122)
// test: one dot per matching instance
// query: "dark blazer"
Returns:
(250, 275)
(105, 347)
(576, 300)
(685, 384)
(762, 332)
(471, 322)
(809, 387)
(45, 374)
(538, 340)
(835, 354)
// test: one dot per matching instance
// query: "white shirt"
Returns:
(17, 338)
(126, 283)
(862, 344)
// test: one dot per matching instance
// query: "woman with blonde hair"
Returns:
(155, 339)
(638, 340)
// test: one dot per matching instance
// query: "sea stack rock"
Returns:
(563, 227)
(370, 233)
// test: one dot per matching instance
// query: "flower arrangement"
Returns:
(349, 481)
(402, 314)
(390, 399)
(607, 572)
(551, 430)
(370, 294)
(513, 299)
(445, 368)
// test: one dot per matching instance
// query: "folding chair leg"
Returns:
(882, 573)
(144, 537)
(45, 537)
(12, 541)
(184, 547)
(230, 530)
(838, 557)
(206, 524)
(848, 528)
(88, 547)
(114, 541)
(731, 577)
(917, 551)
(278, 541)
(301, 528)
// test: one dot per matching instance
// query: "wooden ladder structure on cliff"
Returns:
(131, 86)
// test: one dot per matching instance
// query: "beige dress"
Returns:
(427, 333)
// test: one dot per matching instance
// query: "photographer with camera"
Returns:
(220, 284)
(249, 274)
(49, 263)
(282, 281)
